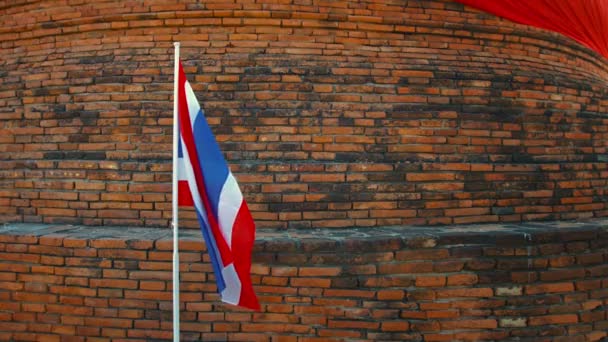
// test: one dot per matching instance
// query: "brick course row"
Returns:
(540, 282)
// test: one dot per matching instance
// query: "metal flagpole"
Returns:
(174, 201)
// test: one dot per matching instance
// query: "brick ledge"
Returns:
(369, 239)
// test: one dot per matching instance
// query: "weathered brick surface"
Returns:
(330, 113)
(115, 284)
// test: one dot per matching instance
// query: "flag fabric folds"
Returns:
(207, 184)
(585, 21)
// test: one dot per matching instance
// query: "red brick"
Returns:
(469, 324)
(439, 337)
(549, 288)
(108, 322)
(34, 297)
(348, 293)
(352, 324)
(462, 279)
(553, 319)
(115, 283)
(440, 314)
(465, 292)
(154, 295)
(390, 295)
(430, 281)
(122, 253)
(395, 326)
(476, 336)
(310, 282)
(422, 254)
(406, 268)
(319, 271)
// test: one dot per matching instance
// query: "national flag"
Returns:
(206, 182)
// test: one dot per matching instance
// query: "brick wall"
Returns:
(330, 113)
(534, 282)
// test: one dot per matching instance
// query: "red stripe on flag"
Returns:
(243, 236)
(184, 196)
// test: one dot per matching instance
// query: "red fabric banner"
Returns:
(585, 21)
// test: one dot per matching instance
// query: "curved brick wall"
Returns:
(530, 282)
(332, 114)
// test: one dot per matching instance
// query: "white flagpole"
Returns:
(174, 201)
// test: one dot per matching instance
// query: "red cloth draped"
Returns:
(585, 21)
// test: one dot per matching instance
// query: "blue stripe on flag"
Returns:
(215, 170)
(180, 152)
(213, 252)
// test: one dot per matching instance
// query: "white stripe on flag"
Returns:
(230, 203)
(232, 292)
(193, 106)
(181, 170)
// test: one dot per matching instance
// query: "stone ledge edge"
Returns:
(323, 240)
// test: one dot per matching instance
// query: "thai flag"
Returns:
(205, 182)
